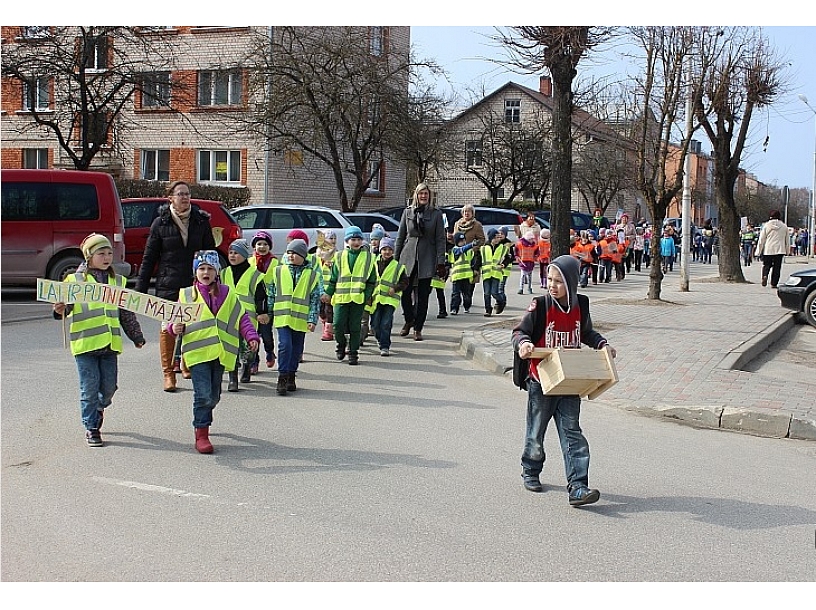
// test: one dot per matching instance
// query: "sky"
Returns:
(790, 126)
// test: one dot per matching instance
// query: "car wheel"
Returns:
(810, 308)
(64, 267)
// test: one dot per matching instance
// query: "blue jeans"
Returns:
(206, 377)
(566, 410)
(97, 384)
(290, 349)
(461, 294)
(382, 320)
(490, 287)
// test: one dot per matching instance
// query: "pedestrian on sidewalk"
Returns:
(559, 319)
(465, 262)
(667, 250)
(248, 284)
(210, 345)
(294, 297)
(351, 287)
(96, 337)
(638, 247)
(544, 252)
(495, 256)
(391, 281)
(265, 262)
(772, 247)
(421, 247)
(526, 253)
(326, 250)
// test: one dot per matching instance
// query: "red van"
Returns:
(140, 212)
(46, 213)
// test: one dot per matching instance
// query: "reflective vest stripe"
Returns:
(245, 289)
(292, 300)
(461, 267)
(389, 278)
(491, 258)
(95, 325)
(212, 337)
(350, 287)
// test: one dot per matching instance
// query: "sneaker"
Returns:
(270, 363)
(442, 314)
(500, 308)
(532, 483)
(341, 353)
(521, 291)
(385, 352)
(467, 310)
(454, 312)
(354, 359)
(93, 438)
(581, 494)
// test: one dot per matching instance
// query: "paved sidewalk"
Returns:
(681, 358)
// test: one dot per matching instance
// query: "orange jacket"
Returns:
(608, 248)
(583, 252)
(544, 249)
(526, 253)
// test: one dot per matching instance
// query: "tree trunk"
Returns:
(728, 259)
(561, 158)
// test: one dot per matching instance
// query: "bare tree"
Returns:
(556, 49)
(741, 75)
(94, 73)
(658, 99)
(602, 171)
(507, 155)
(334, 96)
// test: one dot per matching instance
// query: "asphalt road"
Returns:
(402, 469)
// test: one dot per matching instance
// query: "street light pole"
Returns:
(811, 238)
(685, 226)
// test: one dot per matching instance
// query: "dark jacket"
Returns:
(175, 260)
(421, 241)
(534, 322)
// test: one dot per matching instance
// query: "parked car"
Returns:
(279, 219)
(578, 220)
(491, 218)
(47, 213)
(799, 294)
(366, 220)
(394, 212)
(140, 212)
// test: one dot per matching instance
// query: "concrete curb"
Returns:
(767, 424)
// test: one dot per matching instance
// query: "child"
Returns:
(504, 232)
(265, 262)
(294, 297)
(637, 247)
(96, 338)
(438, 282)
(609, 248)
(495, 258)
(526, 253)
(352, 282)
(667, 250)
(557, 319)
(210, 345)
(326, 249)
(583, 250)
(464, 263)
(248, 284)
(391, 281)
(373, 246)
(544, 251)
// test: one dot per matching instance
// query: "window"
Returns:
(35, 158)
(35, 31)
(219, 166)
(377, 40)
(155, 165)
(375, 167)
(473, 153)
(219, 88)
(156, 90)
(36, 94)
(512, 111)
(95, 53)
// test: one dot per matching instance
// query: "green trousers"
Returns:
(347, 320)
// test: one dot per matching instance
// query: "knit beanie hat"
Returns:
(92, 243)
(529, 236)
(387, 242)
(262, 235)
(298, 234)
(377, 231)
(206, 257)
(545, 233)
(491, 233)
(298, 246)
(242, 247)
(353, 231)
(329, 234)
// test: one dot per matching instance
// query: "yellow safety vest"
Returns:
(212, 337)
(245, 289)
(350, 287)
(389, 278)
(267, 276)
(491, 259)
(95, 325)
(460, 267)
(292, 301)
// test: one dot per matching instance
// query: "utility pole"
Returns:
(685, 221)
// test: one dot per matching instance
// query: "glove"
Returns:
(442, 272)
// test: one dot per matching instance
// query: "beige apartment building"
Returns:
(178, 123)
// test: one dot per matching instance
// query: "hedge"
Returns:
(231, 197)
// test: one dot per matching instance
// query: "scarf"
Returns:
(465, 225)
(182, 221)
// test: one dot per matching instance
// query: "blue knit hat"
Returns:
(353, 231)
(206, 257)
(491, 233)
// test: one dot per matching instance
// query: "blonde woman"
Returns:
(420, 247)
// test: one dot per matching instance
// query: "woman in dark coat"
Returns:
(179, 231)
(421, 247)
